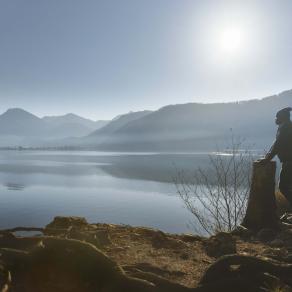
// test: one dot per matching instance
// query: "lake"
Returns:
(122, 188)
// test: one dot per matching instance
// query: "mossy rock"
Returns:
(63, 265)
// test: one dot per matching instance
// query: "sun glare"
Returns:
(231, 40)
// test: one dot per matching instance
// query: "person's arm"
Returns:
(273, 151)
(275, 147)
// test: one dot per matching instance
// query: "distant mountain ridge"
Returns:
(71, 118)
(119, 122)
(181, 127)
(18, 126)
(72, 125)
(18, 122)
(196, 126)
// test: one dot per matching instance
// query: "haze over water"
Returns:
(133, 189)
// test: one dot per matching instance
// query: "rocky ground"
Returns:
(165, 262)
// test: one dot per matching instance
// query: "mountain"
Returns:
(98, 136)
(19, 127)
(75, 119)
(182, 127)
(119, 122)
(19, 122)
(72, 125)
(195, 126)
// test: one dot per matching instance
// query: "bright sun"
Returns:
(231, 40)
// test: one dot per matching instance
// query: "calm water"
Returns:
(133, 189)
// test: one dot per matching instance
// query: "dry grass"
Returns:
(184, 262)
(178, 258)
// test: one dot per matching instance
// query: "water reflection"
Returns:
(14, 186)
(135, 189)
(153, 167)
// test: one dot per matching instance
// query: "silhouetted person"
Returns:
(282, 147)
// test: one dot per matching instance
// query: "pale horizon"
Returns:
(93, 118)
(101, 58)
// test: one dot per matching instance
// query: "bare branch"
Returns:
(217, 196)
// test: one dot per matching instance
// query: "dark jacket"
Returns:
(283, 144)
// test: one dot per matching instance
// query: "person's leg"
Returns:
(285, 184)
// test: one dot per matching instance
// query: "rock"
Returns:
(66, 222)
(266, 234)
(61, 225)
(8, 240)
(277, 243)
(222, 243)
(69, 265)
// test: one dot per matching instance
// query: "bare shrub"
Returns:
(217, 195)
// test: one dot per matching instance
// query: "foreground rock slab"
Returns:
(73, 255)
(57, 264)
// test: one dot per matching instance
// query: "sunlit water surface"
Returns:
(128, 188)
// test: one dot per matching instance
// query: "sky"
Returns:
(101, 58)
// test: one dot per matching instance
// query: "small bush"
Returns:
(217, 196)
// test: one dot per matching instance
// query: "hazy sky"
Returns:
(100, 58)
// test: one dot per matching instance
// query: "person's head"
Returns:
(283, 115)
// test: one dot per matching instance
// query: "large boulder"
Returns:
(63, 265)
(78, 228)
